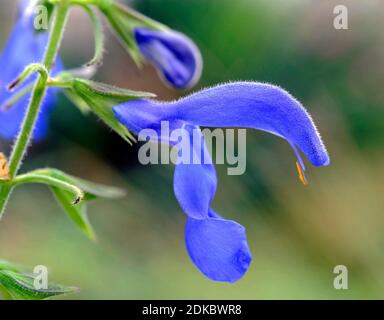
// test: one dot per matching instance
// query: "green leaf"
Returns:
(17, 284)
(71, 193)
(78, 213)
(21, 286)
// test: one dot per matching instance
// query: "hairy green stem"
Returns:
(40, 88)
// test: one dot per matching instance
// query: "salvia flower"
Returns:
(176, 57)
(218, 247)
(24, 46)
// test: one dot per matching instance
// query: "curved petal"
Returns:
(239, 104)
(218, 248)
(174, 55)
(23, 47)
(195, 182)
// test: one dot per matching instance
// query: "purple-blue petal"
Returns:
(218, 248)
(238, 104)
(195, 182)
(174, 55)
(24, 46)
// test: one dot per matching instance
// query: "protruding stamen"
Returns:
(302, 177)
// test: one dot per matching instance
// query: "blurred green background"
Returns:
(297, 234)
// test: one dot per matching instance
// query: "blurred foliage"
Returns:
(297, 234)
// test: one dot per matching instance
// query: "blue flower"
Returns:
(218, 247)
(176, 57)
(24, 46)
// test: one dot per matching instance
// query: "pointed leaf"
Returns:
(21, 286)
(78, 213)
(16, 283)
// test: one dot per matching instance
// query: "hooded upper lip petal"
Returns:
(238, 104)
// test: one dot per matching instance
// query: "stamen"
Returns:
(299, 165)
(300, 160)
(302, 177)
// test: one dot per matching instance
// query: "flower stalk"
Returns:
(24, 137)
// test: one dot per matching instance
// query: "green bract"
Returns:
(100, 98)
(123, 20)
